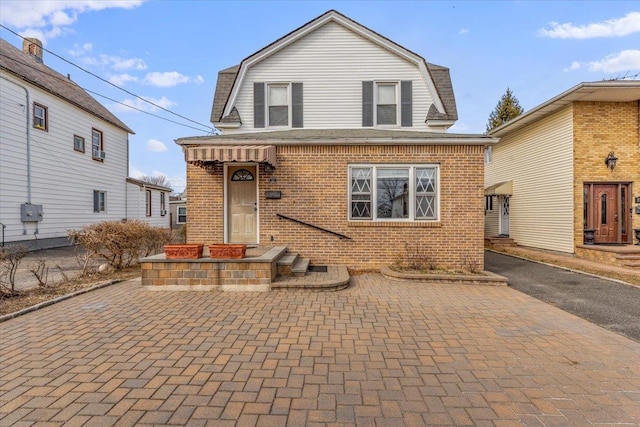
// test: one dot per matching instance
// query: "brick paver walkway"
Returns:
(378, 353)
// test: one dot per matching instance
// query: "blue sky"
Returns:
(171, 51)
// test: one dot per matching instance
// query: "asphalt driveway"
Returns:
(611, 305)
(380, 352)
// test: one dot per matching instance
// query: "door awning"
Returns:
(232, 153)
(500, 189)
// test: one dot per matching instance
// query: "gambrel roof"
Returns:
(24, 67)
(437, 77)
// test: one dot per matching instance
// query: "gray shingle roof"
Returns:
(439, 74)
(26, 68)
(223, 90)
(323, 136)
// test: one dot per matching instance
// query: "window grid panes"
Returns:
(400, 193)
(96, 144)
(182, 215)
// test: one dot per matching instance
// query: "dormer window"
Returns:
(278, 101)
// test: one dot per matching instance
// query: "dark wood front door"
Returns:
(605, 214)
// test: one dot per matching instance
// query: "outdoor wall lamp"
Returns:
(610, 161)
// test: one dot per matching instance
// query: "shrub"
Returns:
(121, 244)
(10, 258)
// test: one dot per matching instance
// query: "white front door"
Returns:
(504, 215)
(242, 204)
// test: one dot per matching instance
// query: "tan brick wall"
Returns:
(313, 181)
(601, 127)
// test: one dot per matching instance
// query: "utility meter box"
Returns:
(31, 213)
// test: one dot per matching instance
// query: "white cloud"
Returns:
(139, 104)
(121, 79)
(156, 146)
(463, 31)
(618, 27)
(80, 50)
(170, 79)
(120, 64)
(575, 65)
(48, 19)
(627, 60)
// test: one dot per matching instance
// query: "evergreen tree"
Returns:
(507, 109)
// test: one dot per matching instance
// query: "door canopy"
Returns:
(232, 153)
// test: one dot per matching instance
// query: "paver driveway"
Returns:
(378, 353)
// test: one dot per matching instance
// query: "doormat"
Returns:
(318, 268)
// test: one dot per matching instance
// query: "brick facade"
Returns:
(598, 128)
(313, 180)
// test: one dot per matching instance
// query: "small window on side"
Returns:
(40, 117)
(78, 143)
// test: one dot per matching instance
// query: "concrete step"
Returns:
(300, 267)
(628, 257)
(334, 279)
(286, 262)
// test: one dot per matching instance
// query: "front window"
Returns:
(383, 193)
(148, 201)
(386, 104)
(182, 215)
(39, 116)
(97, 147)
(278, 102)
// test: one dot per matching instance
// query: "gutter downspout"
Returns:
(26, 91)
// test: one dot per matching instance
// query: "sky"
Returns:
(170, 52)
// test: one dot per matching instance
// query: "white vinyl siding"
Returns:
(62, 180)
(539, 161)
(137, 205)
(332, 62)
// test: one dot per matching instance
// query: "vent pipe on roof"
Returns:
(33, 47)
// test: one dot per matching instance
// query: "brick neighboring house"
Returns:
(334, 143)
(548, 180)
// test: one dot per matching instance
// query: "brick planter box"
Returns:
(227, 251)
(184, 251)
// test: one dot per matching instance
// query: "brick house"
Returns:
(334, 143)
(553, 175)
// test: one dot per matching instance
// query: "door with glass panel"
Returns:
(606, 209)
(242, 204)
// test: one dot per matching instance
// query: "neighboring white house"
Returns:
(63, 156)
(148, 202)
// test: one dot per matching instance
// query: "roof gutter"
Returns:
(340, 141)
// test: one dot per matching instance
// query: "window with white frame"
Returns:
(488, 153)
(278, 104)
(182, 215)
(386, 104)
(163, 204)
(148, 202)
(40, 117)
(97, 145)
(99, 201)
(393, 192)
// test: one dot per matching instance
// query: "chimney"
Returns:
(33, 48)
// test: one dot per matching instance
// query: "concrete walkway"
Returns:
(379, 353)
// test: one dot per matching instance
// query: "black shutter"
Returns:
(258, 104)
(367, 104)
(296, 105)
(96, 201)
(406, 106)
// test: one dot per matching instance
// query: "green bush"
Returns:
(121, 244)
